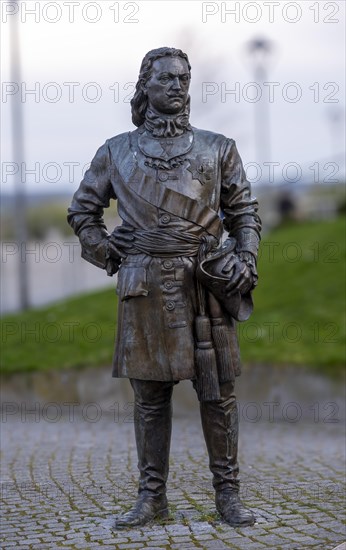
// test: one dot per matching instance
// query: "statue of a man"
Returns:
(178, 188)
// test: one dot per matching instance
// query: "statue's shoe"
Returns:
(147, 508)
(232, 510)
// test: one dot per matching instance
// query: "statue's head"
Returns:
(163, 84)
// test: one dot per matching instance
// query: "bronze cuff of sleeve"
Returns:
(93, 242)
(247, 241)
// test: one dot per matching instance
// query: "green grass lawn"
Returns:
(75, 332)
(298, 317)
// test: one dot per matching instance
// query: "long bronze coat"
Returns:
(171, 190)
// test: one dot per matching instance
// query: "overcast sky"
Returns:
(82, 58)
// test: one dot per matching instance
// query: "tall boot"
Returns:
(153, 426)
(220, 427)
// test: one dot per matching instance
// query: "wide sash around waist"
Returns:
(165, 243)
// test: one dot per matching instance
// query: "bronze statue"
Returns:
(180, 291)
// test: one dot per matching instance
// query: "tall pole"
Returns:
(18, 156)
(259, 50)
(262, 122)
(334, 116)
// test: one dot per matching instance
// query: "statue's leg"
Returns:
(153, 426)
(220, 426)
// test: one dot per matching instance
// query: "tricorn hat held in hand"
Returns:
(209, 273)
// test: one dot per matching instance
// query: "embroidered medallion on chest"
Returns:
(201, 168)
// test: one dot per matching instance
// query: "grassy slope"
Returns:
(72, 333)
(306, 298)
(298, 317)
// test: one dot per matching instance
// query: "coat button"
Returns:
(165, 218)
(163, 176)
(168, 284)
(168, 264)
(170, 305)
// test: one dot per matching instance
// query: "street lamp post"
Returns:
(18, 155)
(260, 50)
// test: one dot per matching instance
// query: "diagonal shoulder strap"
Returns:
(182, 206)
(176, 203)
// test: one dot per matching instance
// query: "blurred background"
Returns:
(269, 75)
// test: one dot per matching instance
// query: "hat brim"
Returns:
(209, 273)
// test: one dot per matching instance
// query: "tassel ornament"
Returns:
(222, 341)
(207, 383)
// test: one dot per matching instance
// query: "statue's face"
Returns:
(167, 88)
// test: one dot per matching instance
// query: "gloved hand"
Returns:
(241, 276)
(120, 242)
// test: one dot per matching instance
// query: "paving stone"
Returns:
(87, 473)
(158, 543)
(132, 545)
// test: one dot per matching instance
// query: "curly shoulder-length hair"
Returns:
(139, 102)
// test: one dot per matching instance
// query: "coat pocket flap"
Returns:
(132, 282)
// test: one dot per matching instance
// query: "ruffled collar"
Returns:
(169, 126)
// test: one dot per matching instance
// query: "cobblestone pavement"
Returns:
(63, 481)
